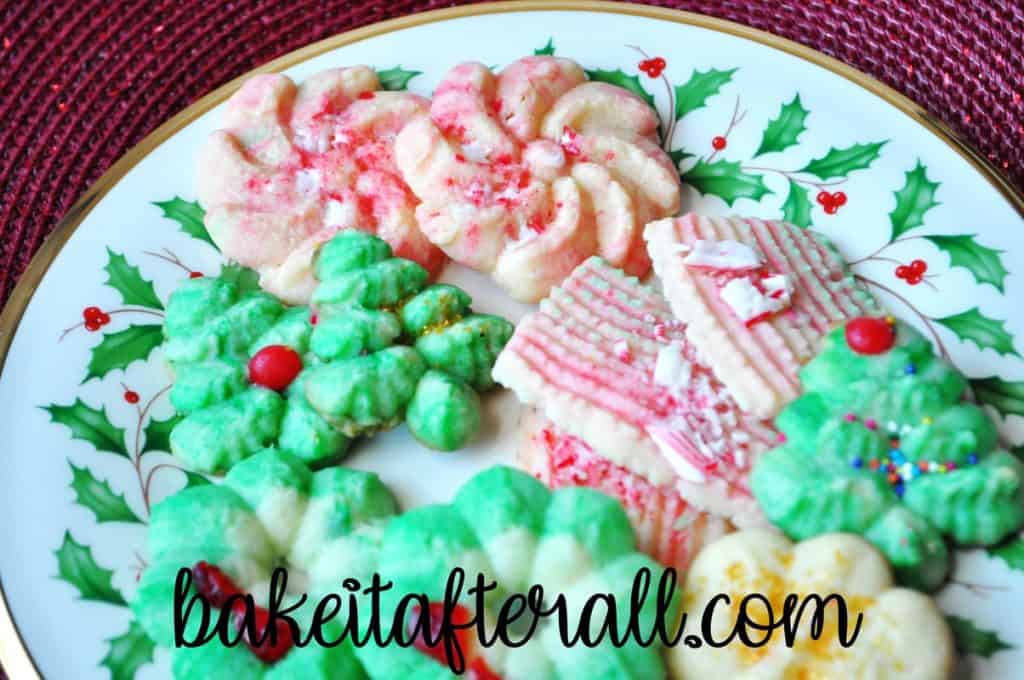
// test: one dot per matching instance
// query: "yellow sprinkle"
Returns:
(926, 420)
(890, 319)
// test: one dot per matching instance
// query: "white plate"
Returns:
(67, 618)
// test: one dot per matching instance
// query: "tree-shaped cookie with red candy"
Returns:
(882, 443)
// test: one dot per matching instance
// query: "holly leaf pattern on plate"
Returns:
(625, 81)
(841, 162)
(76, 566)
(189, 216)
(725, 179)
(797, 207)
(246, 279)
(1002, 395)
(118, 350)
(128, 652)
(96, 495)
(783, 130)
(984, 332)
(547, 50)
(195, 479)
(91, 425)
(678, 156)
(915, 199)
(695, 92)
(1012, 553)
(158, 433)
(973, 640)
(985, 264)
(396, 78)
(127, 280)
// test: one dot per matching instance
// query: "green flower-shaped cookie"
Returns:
(352, 378)
(882, 444)
(507, 525)
(270, 511)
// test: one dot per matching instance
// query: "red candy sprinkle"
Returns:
(366, 95)
(274, 367)
(870, 335)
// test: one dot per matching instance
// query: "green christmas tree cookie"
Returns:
(882, 444)
(271, 511)
(251, 373)
(505, 524)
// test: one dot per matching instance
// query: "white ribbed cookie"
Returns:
(757, 297)
(604, 360)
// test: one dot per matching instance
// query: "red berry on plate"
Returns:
(839, 198)
(103, 319)
(870, 335)
(131, 396)
(903, 271)
(823, 197)
(92, 325)
(718, 143)
(831, 208)
(195, 275)
(91, 313)
(913, 279)
(274, 367)
(919, 266)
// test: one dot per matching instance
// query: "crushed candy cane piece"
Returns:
(723, 254)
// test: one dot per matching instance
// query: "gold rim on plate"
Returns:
(15, 658)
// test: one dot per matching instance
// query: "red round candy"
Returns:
(274, 367)
(870, 335)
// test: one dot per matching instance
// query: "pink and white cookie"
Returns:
(667, 528)
(293, 165)
(757, 298)
(526, 173)
(604, 359)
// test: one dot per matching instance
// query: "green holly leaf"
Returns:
(189, 216)
(126, 280)
(841, 162)
(797, 208)
(1004, 396)
(396, 78)
(984, 332)
(91, 425)
(695, 92)
(96, 495)
(118, 350)
(973, 640)
(623, 80)
(782, 131)
(547, 50)
(912, 201)
(1012, 553)
(195, 479)
(158, 433)
(128, 652)
(725, 179)
(964, 251)
(678, 156)
(76, 566)
(246, 279)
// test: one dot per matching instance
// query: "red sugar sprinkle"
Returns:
(366, 95)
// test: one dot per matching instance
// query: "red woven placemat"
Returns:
(84, 80)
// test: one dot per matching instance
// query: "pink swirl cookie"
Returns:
(667, 527)
(293, 165)
(604, 359)
(758, 298)
(527, 173)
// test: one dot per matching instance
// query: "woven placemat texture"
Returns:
(84, 80)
